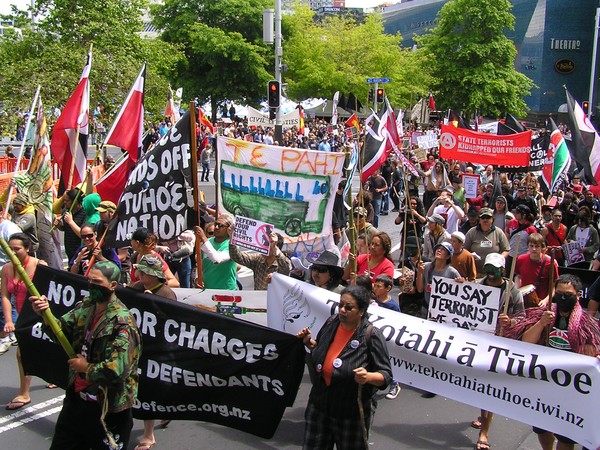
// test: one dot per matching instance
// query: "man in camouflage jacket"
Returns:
(107, 341)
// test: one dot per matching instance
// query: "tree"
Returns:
(52, 52)
(338, 54)
(226, 58)
(473, 61)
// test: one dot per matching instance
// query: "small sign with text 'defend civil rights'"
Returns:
(252, 234)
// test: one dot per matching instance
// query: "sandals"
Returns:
(144, 446)
(16, 404)
(482, 445)
(476, 423)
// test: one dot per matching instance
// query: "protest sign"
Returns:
(472, 306)
(429, 140)
(414, 137)
(291, 188)
(158, 193)
(257, 118)
(551, 389)
(195, 364)
(573, 252)
(252, 234)
(420, 154)
(482, 148)
(405, 143)
(471, 185)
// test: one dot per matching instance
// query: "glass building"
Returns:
(554, 41)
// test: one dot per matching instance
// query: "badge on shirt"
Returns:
(354, 343)
(319, 367)
(486, 244)
(337, 363)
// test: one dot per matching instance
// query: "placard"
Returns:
(471, 185)
(472, 306)
(573, 253)
(252, 234)
(430, 140)
(420, 154)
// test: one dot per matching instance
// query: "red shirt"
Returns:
(362, 267)
(529, 271)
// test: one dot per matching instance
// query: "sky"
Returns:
(5, 5)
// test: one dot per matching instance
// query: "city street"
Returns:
(408, 422)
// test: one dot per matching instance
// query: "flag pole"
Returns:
(194, 162)
(27, 124)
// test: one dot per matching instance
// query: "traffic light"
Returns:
(274, 94)
(586, 106)
(380, 95)
(371, 95)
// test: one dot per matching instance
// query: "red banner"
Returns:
(483, 148)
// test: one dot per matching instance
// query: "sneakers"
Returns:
(394, 391)
(13, 340)
(4, 345)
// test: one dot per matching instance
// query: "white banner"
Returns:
(289, 120)
(551, 389)
(291, 188)
(471, 185)
(471, 306)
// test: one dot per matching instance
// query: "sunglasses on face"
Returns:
(210, 233)
(220, 225)
(346, 306)
(87, 236)
(319, 269)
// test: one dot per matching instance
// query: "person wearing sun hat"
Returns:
(485, 238)
(152, 278)
(361, 224)
(325, 271)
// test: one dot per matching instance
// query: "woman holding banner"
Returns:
(351, 360)
(14, 292)
(374, 263)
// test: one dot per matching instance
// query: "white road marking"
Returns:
(24, 416)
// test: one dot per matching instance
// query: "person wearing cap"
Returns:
(566, 321)
(435, 233)
(362, 225)
(439, 267)
(445, 206)
(521, 225)
(24, 217)
(219, 271)
(472, 219)
(106, 209)
(493, 268)
(462, 260)
(523, 199)
(263, 265)
(485, 238)
(104, 374)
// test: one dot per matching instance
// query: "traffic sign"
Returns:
(378, 80)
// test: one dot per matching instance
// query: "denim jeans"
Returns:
(376, 202)
(205, 171)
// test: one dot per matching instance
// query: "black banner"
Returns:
(195, 364)
(158, 194)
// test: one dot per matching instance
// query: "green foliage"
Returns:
(52, 53)
(473, 61)
(226, 58)
(338, 55)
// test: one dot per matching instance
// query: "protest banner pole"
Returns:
(73, 157)
(351, 225)
(83, 183)
(407, 204)
(550, 291)
(22, 149)
(46, 314)
(194, 162)
(511, 274)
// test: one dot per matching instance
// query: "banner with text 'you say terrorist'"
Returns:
(158, 194)
(292, 189)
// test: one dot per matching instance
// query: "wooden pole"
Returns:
(194, 146)
(46, 314)
(93, 258)
(511, 274)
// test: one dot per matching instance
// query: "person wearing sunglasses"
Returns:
(348, 352)
(91, 249)
(325, 271)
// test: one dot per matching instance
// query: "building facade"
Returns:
(554, 41)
